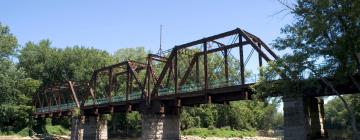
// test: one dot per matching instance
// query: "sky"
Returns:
(110, 25)
(113, 24)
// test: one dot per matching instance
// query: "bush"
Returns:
(24, 132)
(217, 132)
(57, 130)
(14, 117)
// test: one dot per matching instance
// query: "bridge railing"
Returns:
(68, 106)
(213, 84)
(162, 92)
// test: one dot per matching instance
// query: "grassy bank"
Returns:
(23, 133)
(217, 132)
(57, 130)
(50, 129)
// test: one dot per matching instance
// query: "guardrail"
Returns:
(162, 92)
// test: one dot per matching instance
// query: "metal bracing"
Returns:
(181, 70)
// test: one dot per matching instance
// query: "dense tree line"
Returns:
(337, 116)
(16, 87)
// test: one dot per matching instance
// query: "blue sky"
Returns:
(110, 25)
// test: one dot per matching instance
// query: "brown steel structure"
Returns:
(141, 77)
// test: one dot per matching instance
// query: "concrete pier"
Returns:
(88, 128)
(76, 128)
(303, 118)
(160, 126)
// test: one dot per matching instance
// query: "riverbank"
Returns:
(38, 137)
(182, 138)
(230, 138)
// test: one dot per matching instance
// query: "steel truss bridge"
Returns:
(185, 75)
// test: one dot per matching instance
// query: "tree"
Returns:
(337, 117)
(52, 65)
(16, 88)
(325, 32)
(136, 53)
(8, 42)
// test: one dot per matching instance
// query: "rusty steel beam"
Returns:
(226, 66)
(188, 71)
(155, 56)
(163, 72)
(176, 72)
(110, 84)
(73, 93)
(127, 82)
(137, 79)
(242, 66)
(263, 44)
(253, 44)
(211, 38)
(205, 67)
(197, 70)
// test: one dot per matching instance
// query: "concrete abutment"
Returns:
(88, 128)
(303, 118)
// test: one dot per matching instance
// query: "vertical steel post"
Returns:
(110, 84)
(242, 69)
(127, 82)
(131, 84)
(205, 66)
(260, 60)
(226, 66)
(94, 85)
(148, 80)
(176, 72)
(197, 71)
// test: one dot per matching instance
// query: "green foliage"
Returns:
(76, 112)
(53, 65)
(136, 53)
(218, 132)
(24, 132)
(239, 115)
(323, 41)
(133, 120)
(337, 117)
(16, 89)
(324, 32)
(57, 130)
(127, 124)
(14, 117)
(15, 86)
(8, 42)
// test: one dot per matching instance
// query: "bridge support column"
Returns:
(76, 128)
(160, 126)
(95, 128)
(102, 130)
(303, 118)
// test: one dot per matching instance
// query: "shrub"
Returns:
(216, 132)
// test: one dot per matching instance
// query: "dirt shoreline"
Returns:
(231, 138)
(182, 138)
